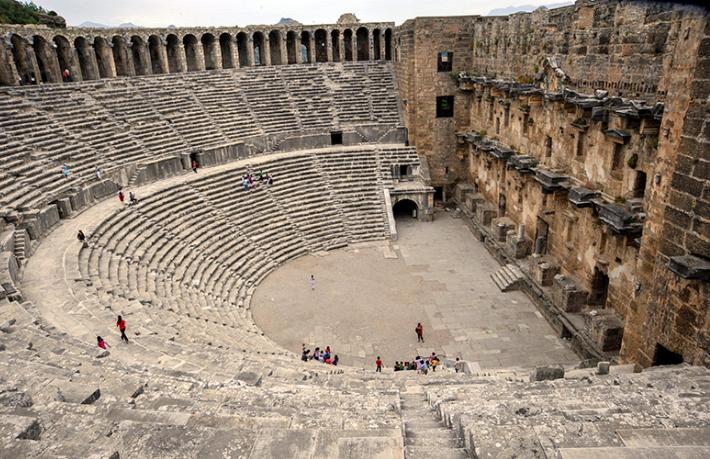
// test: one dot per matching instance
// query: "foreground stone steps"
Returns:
(508, 278)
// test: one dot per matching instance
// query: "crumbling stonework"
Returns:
(587, 126)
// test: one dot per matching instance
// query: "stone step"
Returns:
(665, 437)
(658, 452)
(434, 452)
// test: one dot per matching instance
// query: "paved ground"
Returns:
(368, 300)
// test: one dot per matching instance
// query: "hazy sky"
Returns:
(155, 13)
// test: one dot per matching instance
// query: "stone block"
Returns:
(19, 427)
(544, 272)
(48, 217)
(518, 248)
(78, 393)
(249, 378)
(547, 373)
(603, 368)
(485, 213)
(64, 208)
(472, 201)
(80, 199)
(567, 294)
(462, 191)
(605, 328)
(103, 189)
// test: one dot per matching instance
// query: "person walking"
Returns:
(81, 236)
(102, 344)
(458, 366)
(66, 75)
(335, 361)
(420, 332)
(195, 165)
(65, 171)
(312, 282)
(132, 200)
(97, 172)
(378, 364)
(434, 361)
(121, 324)
(121, 196)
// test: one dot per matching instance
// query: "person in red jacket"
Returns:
(121, 324)
(378, 362)
(102, 344)
(121, 196)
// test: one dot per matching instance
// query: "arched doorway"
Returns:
(226, 46)
(156, 53)
(124, 65)
(335, 44)
(259, 57)
(173, 46)
(348, 45)
(292, 47)
(405, 208)
(275, 47)
(321, 45)
(46, 60)
(376, 51)
(363, 44)
(243, 49)
(209, 50)
(190, 44)
(306, 47)
(388, 44)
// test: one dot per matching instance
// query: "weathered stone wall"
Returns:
(633, 163)
(418, 43)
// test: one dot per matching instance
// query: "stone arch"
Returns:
(259, 49)
(140, 56)
(23, 59)
(121, 58)
(189, 41)
(87, 61)
(405, 208)
(376, 49)
(335, 44)
(173, 47)
(363, 44)
(156, 53)
(388, 44)
(292, 47)
(226, 49)
(305, 48)
(243, 49)
(65, 57)
(209, 49)
(348, 45)
(104, 58)
(46, 61)
(321, 40)
(275, 47)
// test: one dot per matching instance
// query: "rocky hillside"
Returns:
(12, 12)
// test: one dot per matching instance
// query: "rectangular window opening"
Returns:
(444, 106)
(444, 61)
(336, 138)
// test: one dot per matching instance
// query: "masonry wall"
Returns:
(650, 51)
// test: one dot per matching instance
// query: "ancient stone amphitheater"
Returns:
(535, 131)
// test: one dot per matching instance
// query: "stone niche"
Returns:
(567, 294)
(605, 328)
(544, 271)
(473, 201)
(485, 213)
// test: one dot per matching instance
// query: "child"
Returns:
(378, 363)
(102, 344)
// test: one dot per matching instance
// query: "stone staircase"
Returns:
(508, 278)
(424, 435)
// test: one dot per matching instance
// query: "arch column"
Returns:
(341, 47)
(250, 50)
(162, 56)
(217, 55)
(312, 46)
(381, 40)
(8, 71)
(199, 56)
(233, 51)
(31, 59)
(266, 52)
(51, 62)
(371, 44)
(353, 46)
(329, 45)
(143, 56)
(284, 51)
(181, 57)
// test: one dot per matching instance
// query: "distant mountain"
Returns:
(288, 21)
(97, 25)
(524, 8)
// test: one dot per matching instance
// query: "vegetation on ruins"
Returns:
(13, 12)
(632, 161)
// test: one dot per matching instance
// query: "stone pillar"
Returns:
(31, 59)
(329, 45)
(521, 232)
(111, 63)
(217, 50)
(381, 39)
(266, 52)
(284, 51)
(8, 71)
(181, 57)
(51, 63)
(312, 47)
(163, 57)
(250, 50)
(371, 44)
(353, 46)
(144, 58)
(234, 51)
(199, 56)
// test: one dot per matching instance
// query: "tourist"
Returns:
(97, 172)
(195, 165)
(335, 360)
(378, 363)
(132, 198)
(327, 360)
(316, 354)
(121, 324)
(425, 367)
(102, 344)
(434, 361)
(312, 282)
(458, 366)
(81, 236)
(121, 196)
(65, 170)
(269, 180)
(245, 183)
(66, 75)
(420, 332)
(304, 353)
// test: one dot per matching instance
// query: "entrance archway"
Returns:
(405, 208)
